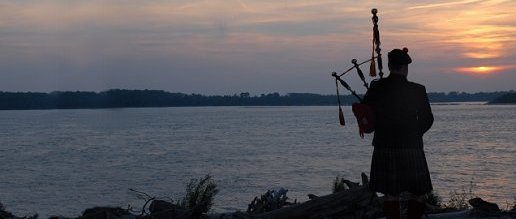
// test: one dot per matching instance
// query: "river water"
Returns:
(59, 162)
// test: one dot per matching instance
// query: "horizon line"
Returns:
(236, 93)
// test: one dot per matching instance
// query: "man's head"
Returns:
(398, 61)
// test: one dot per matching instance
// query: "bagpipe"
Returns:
(363, 112)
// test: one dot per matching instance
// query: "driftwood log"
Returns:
(352, 203)
(355, 202)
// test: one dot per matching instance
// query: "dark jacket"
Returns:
(402, 112)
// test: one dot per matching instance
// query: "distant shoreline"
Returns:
(118, 98)
(505, 99)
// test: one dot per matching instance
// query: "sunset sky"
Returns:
(259, 46)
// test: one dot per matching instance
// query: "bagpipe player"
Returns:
(402, 116)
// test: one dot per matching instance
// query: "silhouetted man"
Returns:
(402, 113)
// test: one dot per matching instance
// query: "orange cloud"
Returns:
(444, 4)
(475, 29)
(483, 70)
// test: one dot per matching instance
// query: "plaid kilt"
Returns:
(396, 170)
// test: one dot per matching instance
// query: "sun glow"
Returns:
(480, 70)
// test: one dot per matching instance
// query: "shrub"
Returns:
(433, 198)
(269, 201)
(459, 200)
(199, 195)
(339, 185)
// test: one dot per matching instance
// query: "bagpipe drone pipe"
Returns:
(363, 112)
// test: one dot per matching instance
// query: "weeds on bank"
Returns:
(459, 199)
(433, 198)
(269, 201)
(339, 185)
(199, 194)
(510, 206)
(198, 198)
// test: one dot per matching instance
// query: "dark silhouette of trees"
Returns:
(117, 98)
(505, 98)
(464, 97)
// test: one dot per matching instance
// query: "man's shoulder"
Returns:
(377, 82)
(386, 82)
(416, 86)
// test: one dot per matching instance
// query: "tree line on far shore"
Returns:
(118, 98)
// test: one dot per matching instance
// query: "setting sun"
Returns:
(480, 70)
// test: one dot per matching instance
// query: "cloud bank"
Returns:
(231, 46)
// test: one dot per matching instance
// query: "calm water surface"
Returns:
(63, 161)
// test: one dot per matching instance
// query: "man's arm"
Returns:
(425, 116)
(370, 96)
